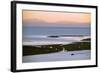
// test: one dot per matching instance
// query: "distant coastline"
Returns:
(67, 35)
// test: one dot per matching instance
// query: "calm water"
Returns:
(59, 56)
(55, 30)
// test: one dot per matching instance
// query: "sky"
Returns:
(51, 18)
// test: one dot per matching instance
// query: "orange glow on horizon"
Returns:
(57, 17)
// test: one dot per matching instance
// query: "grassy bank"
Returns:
(44, 49)
(78, 46)
(33, 50)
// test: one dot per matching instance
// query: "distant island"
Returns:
(54, 36)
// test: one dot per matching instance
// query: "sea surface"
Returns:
(55, 30)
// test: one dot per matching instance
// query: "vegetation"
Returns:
(78, 46)
(32, 50)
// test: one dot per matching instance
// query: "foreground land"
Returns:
(45, 49)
